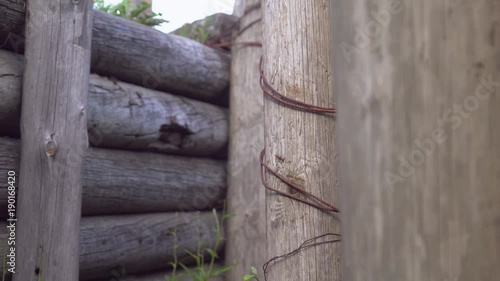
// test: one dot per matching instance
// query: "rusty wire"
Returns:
(314, 201)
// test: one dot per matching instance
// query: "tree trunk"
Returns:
(111, 245)
(245, 246)
(125, 116)
(138, 54)
(300, 145)
(53, 139)
(122, 182)
(418, 131)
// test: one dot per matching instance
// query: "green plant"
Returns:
(199, 34)
(140, 14)
(254, 275)
(204, 270)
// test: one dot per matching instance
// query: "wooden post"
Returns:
(418, 110)
(300, 145)
(245, 246)
(53, 139)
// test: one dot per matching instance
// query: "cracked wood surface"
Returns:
(125, 182)
(137, 54)
(54, 139)
(298, 62)
(125, 116)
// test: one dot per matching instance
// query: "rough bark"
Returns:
(54, 139)
(110, 245)
(246, 230)
(300, 145)
(126, 116)
(138, 54)
(122, 182)
(418, 134)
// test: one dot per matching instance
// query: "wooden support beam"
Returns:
(300, 145)
(246, 245)
(418, 109)
(53, 139)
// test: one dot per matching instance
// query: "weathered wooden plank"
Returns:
(54, 139)
(126, 116)
(246, 230)
(138, 54)
(300, 145)
(418, 110)
(122, 182)
(110, 245)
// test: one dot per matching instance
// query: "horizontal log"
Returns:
(124, 182)
(125, 116)
(110, 245)
(138, 54)
(160, 276)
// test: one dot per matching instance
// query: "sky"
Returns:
(179, 12)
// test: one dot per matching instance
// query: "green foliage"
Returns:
(254, 275)
(204, 270)
(140, 14)
(199, 34)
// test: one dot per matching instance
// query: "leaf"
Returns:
(212, 253)
(248, 277)
(195, 256)
(220, 270)
(188, 271)
(254, 270)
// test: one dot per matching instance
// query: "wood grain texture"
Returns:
(300, 145)
(53, 139)
(418, 137)
(125, 116)
(140, 243)
(245, 246)
(110, 245)
(138, 54)
(122, 182)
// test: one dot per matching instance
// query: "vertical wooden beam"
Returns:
(53, 138)
(418, 85)
(300, 145)
(246, 231)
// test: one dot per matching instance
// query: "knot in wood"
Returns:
(51, 148)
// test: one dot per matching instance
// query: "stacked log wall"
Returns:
(158, 123)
